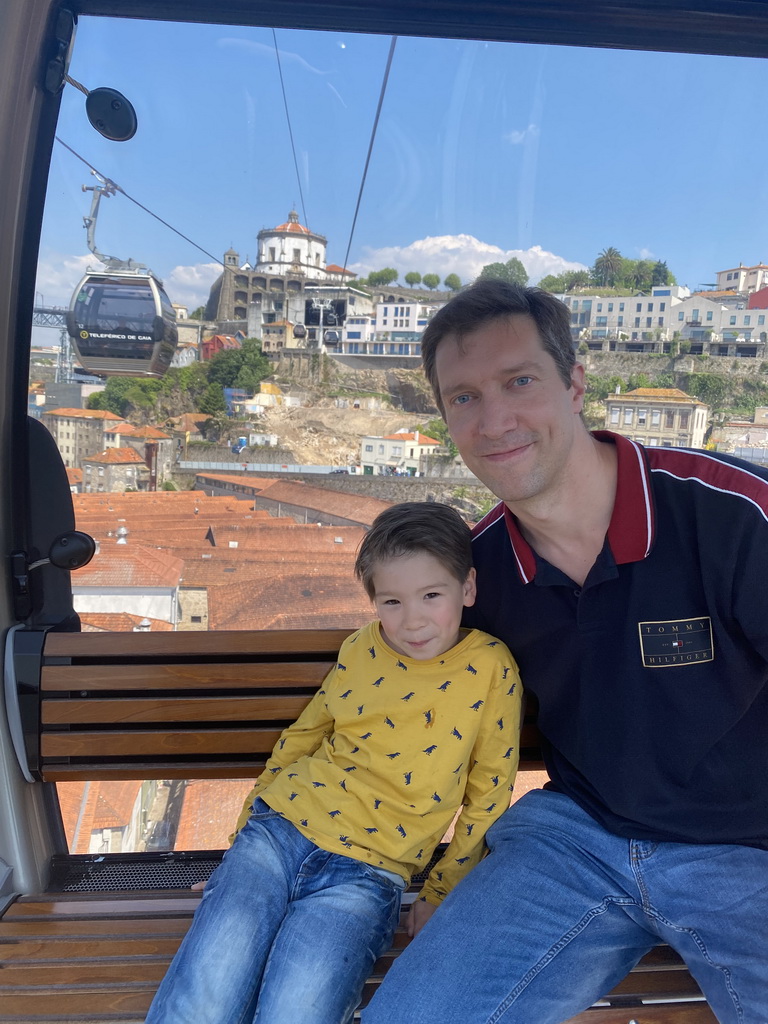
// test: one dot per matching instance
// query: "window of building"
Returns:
(642, 415)
(637, 321)
(649, 321)
(669, 418)
(628, 417)
(599, 307)
(610, 307)
(761, 320)
(650, 307)
(681, 315)
(684, 417)
(662, 306)
(621, 307)
(747, 321)
(369, 447)
(615, 414)
(709, 314)
(639, 307)
(732, 320)
(621, 321)
(655, 417)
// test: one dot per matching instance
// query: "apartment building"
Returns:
(398, 454)
(79, 433)
(658, 417)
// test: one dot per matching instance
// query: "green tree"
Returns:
(575, 279)
(452, 282)
(438, 431)
(602, 387)
(381, 278)
(512, 271)
(212, 401)
(243, 367)
(431, 281)
(710, 388)
(554, 283)
(198, 314)
(412, 278)
(660, 274)
(642, 275)
(122, 395)
(639, 380)
(607, 267)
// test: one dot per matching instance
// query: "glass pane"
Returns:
(232, 492)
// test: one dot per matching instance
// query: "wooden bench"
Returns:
(188, 706)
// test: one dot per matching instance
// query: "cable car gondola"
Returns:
(331, 337)
(120, 320)
(122, 323)
(299, 331)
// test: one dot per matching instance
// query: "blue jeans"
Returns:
(560, 911)
(285, 932)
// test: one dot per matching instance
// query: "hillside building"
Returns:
(658, 417)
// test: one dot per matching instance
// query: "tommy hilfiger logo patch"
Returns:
(676, 642)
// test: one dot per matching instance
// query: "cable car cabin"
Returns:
(122, 324)
(299, 331)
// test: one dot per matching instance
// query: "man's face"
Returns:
(507, 409)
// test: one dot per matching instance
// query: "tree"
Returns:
(412, 278)
(213, 400)
(513, 272)
(198, 314)
(575, 279)
(378, 278)
(243, 367)
(452, 282)
(660, 274)
(607, 267)
(438, 431)
(642, 275)
(431, 281)
(553, 283)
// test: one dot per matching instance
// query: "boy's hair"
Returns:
(413, 528)
(489, 300)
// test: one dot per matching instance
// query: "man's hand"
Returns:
(420, 913)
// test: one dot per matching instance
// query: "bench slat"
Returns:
(139, 742)
(192, 644)
(127, 711)
(59, 678)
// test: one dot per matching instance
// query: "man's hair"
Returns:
(489, 300)
(414, 528)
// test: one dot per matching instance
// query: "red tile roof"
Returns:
(415, 437)
(127, 566)
(119, 622)
(117, 457)
(85, 414)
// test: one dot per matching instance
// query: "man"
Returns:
(630, 584)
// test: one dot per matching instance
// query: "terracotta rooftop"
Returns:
(674, 394)
(87, 807)
(129, 566)
(416, 437)
(86, 414)
(119, 622)
(209, 811)
(75, 476)
(117, 457)
(334, 268)
(356, 508)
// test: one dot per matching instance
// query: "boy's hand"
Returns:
(419, 914)
(198, 885)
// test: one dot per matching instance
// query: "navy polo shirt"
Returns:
(651, 678)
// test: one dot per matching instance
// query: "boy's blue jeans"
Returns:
(285, 933)
(560, 911)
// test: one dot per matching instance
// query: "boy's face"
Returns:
(419, 603)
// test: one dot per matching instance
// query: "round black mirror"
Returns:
(72, 550)
(111, 114)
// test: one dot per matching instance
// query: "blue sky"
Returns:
(484, 150)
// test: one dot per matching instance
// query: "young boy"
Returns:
(417, 718)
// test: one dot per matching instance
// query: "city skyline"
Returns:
(484, 151)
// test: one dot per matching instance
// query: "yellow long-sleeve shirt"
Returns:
(380, 760)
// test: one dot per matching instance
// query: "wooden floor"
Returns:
(84, 957)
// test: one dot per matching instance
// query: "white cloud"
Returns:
(190, 285)
(464, 255)
(517, 138)
(58, 276)
(646, 254)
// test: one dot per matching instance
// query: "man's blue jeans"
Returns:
(560, 911)
(285, 932)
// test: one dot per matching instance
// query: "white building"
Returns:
(658, 417)
(399, 453)
(743, 279)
